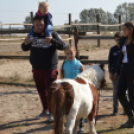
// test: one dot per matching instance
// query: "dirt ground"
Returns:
(20, 103)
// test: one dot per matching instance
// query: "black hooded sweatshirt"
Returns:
(44, 58)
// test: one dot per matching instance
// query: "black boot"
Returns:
(129, 113)
(129, 123)
(115, 111)
(81, 130)
(126, 106)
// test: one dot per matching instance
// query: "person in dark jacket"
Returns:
(112, 62)
(126, 78)
(44, 61)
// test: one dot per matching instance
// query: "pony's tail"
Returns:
(59, 111)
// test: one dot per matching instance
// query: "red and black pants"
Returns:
(43, 80)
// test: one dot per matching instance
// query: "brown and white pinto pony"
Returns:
(76, 99)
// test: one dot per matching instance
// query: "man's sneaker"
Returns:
(43, 114)
(81, 131)
(115, 111)
(50, 118)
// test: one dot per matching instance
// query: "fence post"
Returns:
(120, 22)
(1, 27)
(76, 33)
(31, 14)
(1, 30)
(10, 30)
(69, 28)
(98, 29)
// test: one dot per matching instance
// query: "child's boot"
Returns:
(81, 129)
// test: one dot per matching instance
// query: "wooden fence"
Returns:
(77, 36)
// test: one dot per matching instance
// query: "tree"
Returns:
(89, 16)
(131, 11)
(27, 21)
(76, 21)
(110, 18)
(126, 10)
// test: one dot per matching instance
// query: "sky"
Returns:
(15, 11)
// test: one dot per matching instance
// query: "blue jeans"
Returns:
(115, 91)
(48, 31)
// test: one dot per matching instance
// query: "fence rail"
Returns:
(84, 59)
(95, 37)
(27, 31)
(27, 57)
(59, 26)
(77, 36)
(16, 39)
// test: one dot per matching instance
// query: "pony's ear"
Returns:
(102, 66)
(47, 1)
(38, 1)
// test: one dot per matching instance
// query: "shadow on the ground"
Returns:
(17, 84)
(19, 92)
(45, 128)
(106, 96)
(103, 116)
(109, 130)
(26, 123)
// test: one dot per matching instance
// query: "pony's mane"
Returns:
(92, 74)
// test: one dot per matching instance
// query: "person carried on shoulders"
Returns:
(43, 12)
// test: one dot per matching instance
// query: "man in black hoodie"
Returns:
(44, 60)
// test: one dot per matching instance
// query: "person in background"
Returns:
(70, 68)
(43, 60)
(126, 77)
(112, 63)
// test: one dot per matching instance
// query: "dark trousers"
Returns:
(81, 125)
(115, 91)
(43, 80)
(126, 82)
